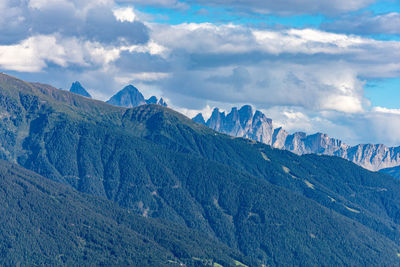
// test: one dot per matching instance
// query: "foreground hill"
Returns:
(273, 206)
(46, 223)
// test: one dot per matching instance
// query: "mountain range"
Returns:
(168, 191)
(255, 125)
(128, 97)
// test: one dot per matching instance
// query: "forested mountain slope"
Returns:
(274, 206)
(48, 224)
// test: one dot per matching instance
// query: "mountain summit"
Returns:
(131, 97)
(128, 97)
(77, 88)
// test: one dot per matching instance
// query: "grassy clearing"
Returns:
(309, 185)
(238, 263)
(265, 156)
(285, 169)
(352, 210)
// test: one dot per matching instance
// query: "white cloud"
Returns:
(125, 14)
(386, 110)
(303, 67)
(32, 54)
(101, 55)
(150, 47)
(190, 113)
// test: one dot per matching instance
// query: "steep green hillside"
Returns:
(370, 198)
(46, 223)
(395, 171)
(274, 206)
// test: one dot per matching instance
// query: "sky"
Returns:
(330, 66)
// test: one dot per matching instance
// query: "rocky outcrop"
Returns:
(154, 100)
(256, 126)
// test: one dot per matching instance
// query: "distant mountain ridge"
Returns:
(130, 97)
(256, 126)
(77, 88)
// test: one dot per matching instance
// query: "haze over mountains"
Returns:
(256, 126)
(242, 199)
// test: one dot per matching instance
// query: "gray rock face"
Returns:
(162, 102)
(243, 123)
(199, 119)
(131, 97)
(78, 89)
(128, 97)
(154, 100)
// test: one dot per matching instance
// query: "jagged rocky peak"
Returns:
(199, 119)
(128, 97)
(242, 123)
(154, 100)
(260, 118)
(162, 102)
(246, 115)
(78, 89)
(217, 120)
(279, 138)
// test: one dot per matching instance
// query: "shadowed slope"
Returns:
(47, 223)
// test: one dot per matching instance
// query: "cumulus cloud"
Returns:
(125, 14)
(70, 37)
(93, 20)
(302, 67)
(36, 53)
(32, 54)
(366, 24)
